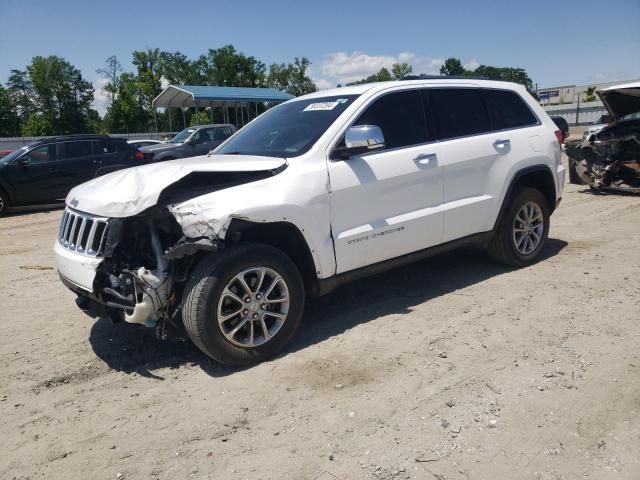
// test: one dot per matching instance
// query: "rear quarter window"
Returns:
(508, 110)
(458, 112)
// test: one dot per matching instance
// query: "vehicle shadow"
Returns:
(135, 349)
(31, 209)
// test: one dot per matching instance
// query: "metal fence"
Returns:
(13, 143)
(577, 114)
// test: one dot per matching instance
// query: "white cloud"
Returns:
(101, 97)
(344, 67)
(472, 64)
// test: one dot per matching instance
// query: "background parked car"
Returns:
(47, 169)
(143, 142)
(190, 142)
(4, 153)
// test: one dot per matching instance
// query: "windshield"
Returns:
(182, 136)
(14, 154)
(288, 130)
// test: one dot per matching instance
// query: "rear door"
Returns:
(467, 151)
(78, 163)
(387, 203)
(478, 141)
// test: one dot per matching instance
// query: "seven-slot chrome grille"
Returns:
(83, 233)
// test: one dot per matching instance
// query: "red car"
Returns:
(5, 152)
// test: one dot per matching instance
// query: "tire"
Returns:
(4, 203)
(209, 294)
(503, 246)
(574, 178)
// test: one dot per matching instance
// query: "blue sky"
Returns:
(557, 42)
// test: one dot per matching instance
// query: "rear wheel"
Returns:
(244, 304)
(523, 229)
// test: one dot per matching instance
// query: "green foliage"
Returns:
(590, 94)
(291, 77)
(383, 75)
(9, 120)
(202, 118)
(452, 67)
(36, 125)
(401, 70)
(61, 95)
(127, 114)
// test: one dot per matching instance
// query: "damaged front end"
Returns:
(145, 260)
(609, 160)
(128, 256)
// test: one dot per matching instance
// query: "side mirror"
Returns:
(24, 161)
(361, 139)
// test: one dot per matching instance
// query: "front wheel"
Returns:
(4, 203)
(243, 304)
(522, 231)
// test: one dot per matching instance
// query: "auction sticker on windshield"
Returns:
(320, 106)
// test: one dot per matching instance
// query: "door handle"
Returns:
(501, 142)
(425, 158)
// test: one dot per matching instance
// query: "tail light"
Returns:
(560, 136)
(139, 155)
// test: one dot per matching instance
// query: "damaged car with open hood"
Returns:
(609, 159)
(224, 248)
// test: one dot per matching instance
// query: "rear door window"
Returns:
(76, 149)
(103, 147)
(508, 110)
(400, 117)
(458, 112)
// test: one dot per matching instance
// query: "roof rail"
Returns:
(78, 136)
(441, 77)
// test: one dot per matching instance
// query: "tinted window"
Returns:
(508, 110)
(458, 112)
(41, 154)
(76, 149)
(102, 146)
(221, 133)
(400, 117)
(204, 136)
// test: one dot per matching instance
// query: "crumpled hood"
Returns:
(621, 100)
(125, 193)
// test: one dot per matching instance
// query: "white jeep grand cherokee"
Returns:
(318, 191)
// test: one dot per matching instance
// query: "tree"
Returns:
(148, 65)
(226, 66)
(127, 114)
(62, 96)
(590, 94)
(21, 91)
(111, 71)
(292, 77)
(383, 75)
(452, 67)
(9, 120)
(401, 70)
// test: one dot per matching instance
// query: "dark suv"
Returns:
(190, 142)
(47, 169)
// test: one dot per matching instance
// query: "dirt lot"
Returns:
(453, 368)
